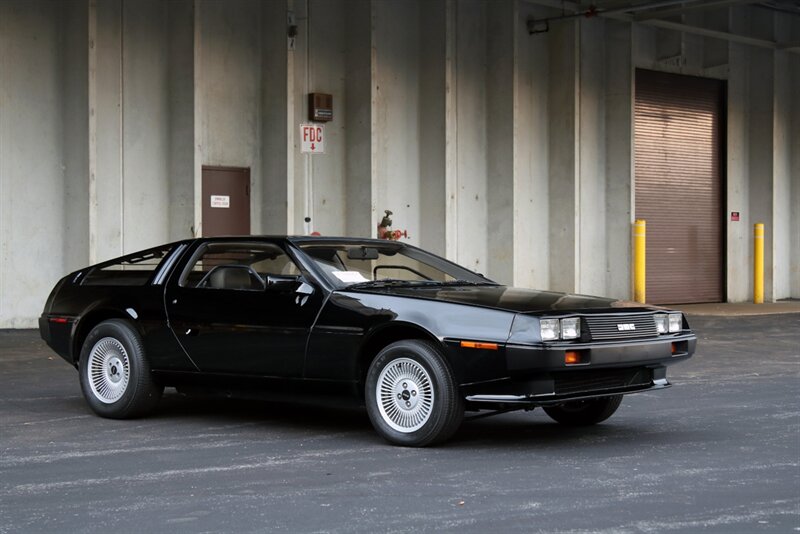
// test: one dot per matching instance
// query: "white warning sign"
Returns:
(312, 138)
(220, 201)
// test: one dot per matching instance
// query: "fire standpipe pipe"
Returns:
(639, 257)
(758, 263)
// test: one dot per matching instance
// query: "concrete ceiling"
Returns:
(669, 14)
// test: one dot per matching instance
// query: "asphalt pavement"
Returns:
(718, 452)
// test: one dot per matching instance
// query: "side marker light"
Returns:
(478, 345)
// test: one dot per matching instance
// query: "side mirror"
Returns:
(303, 292)
(305, 289)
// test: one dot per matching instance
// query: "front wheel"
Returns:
(114, 373)
(412, 397)
(584, 412)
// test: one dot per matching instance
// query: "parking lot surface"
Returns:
(719, 452)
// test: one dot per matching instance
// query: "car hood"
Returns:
(510, 298)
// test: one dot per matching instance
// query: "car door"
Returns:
(242, 307)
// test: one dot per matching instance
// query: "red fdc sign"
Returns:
(312, 138)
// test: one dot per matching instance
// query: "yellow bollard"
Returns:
(758, 263)
(639, 253)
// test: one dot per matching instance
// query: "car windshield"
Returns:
(380, 265)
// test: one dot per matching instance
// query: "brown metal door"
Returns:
(679, 123)
(226, 201)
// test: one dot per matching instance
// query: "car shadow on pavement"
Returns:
(512, 430)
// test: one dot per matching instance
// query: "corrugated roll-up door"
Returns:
(679, 122)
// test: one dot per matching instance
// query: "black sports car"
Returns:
(416, 338)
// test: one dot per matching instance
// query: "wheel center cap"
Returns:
(407, 395)
(115, 370)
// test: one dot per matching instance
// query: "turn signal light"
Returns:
(572, 357)
(674, 348)
(478, 345)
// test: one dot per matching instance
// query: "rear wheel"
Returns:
(412, 397)
(114, 373)
(584, 412)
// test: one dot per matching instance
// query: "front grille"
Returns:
(601, 327)
(591, 381)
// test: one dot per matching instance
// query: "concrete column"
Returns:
(761, 169)
(397, 114)
(274, 128)
(794, 231)
(432, 131)
(470, 77)
(501, 121)
(563, 155)
(531, 207)
(619, 157)
(106, 145)
(300, 193)
(451, 130)
(180, 80)
(358, 113)
(145, 125)
(739, 233)
(75, 135)
(228, 93)
(781, 164)
(326, 67)
(32, 173)
(591, 197)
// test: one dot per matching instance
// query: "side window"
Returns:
(131, 270)
(238, 266)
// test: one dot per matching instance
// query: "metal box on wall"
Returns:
(320, 107)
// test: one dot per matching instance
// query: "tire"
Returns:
(114, 374)
(584, 412)
(411, 394)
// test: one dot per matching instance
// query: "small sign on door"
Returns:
(312, 138)
(220, 201)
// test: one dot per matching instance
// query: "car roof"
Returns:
(296, 239)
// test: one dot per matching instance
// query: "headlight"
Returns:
(675, 322)
(668, 323)
(550, 329)
(662, 326)
(570, 328)
(554, 329)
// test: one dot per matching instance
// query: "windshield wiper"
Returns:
(394, 282)
(386, 282)
(466, 283)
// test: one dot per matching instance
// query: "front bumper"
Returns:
(664, 350)
(540, 376)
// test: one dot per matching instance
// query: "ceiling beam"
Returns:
(624, 15)
(716, 4)
(706, 32)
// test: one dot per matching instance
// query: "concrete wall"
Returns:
(228, 93)
(180, 107)
(508, 152)
(794, 230)
(32, 174)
